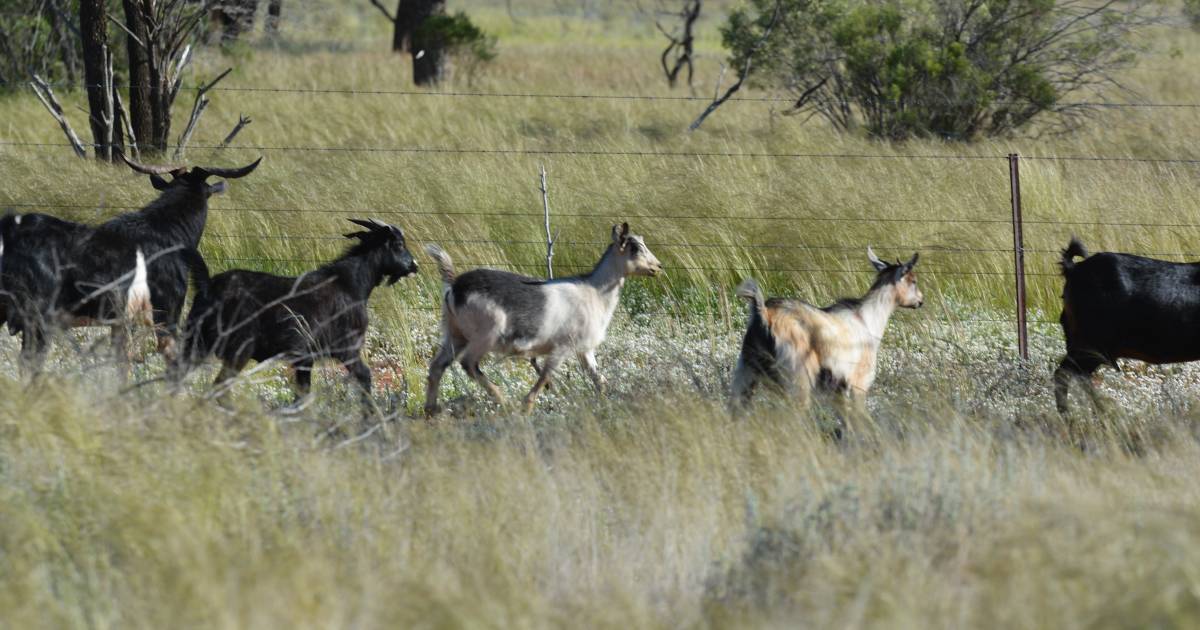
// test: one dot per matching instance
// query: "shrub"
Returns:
(954, 69)
(35, 38)
(1191, 11)
(467, 43)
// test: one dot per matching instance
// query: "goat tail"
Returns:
(445, 265)
(137, 300)
(1075, 249)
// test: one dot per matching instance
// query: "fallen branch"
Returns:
(46, 96)
(197, 109)
(242, 122)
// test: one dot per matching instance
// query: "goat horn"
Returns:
(152, 170)
(227, 173)
(371, 224)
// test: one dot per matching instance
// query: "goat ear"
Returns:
(158, 182)
(912, 262)
(616, 234)
(875, 262)
(358, 235)
(217, 188)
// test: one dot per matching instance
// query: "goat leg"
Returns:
(120, 348)
(303, 376)
(588, 361)
(442, 360)
(534, 363)
(552, 362)
(224, 382)
(34, 347)
(362, 376)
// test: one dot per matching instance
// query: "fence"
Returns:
(1016, 222)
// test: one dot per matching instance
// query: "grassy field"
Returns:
(962, 504)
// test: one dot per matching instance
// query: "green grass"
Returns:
(963, 504)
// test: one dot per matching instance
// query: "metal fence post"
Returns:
(1014, 182)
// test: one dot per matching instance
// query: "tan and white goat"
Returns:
(487, 310)
(794, 346)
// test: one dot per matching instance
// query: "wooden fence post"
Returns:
(549, 239)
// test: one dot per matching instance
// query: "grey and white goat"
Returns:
(794, 346)
(486, 310)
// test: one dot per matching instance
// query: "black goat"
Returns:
(61, 273)
(321, 314)
(1124, 306)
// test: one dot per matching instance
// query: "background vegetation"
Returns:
(963, 505)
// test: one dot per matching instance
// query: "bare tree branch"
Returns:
(197, 109)
(46, 96)
(242, 122)
(389, 16)
(737, 85)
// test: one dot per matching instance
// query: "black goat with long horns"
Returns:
(135, 266)
(250, 315)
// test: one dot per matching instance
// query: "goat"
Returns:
(1124, 306)
(246, 315)
(794, 346)
(487, 310)
(56, 266)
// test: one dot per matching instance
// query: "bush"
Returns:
(954, 69)
(34, 38)
(1191, 11)
(467, 43)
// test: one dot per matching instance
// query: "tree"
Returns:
(681, 40)
(97, 76)
(39, 36)
(422, 29)
(159, 36)
(141, 114)
(231, 18)
(274, 14)
(1191, 11)
(954, 69)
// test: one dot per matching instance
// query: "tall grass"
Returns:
(963, 504)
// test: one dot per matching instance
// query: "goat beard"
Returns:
(393, 279)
